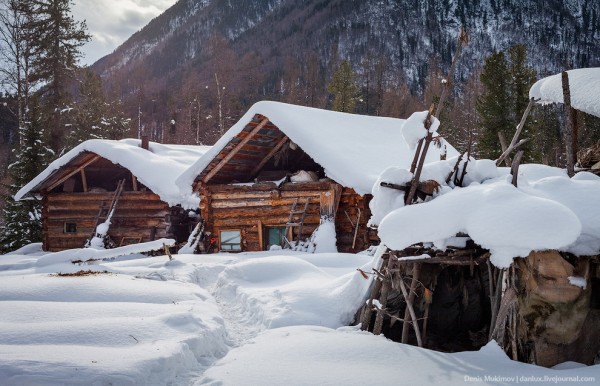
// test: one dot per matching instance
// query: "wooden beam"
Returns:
(134, 183)
(269, 156)
(568, 132)
(261, 241)
(234, 151)
(84, 180)
(72, 173)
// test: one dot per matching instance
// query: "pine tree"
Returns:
(56, 39)
(506, 85)
(22, 223)
(344, 89)
(92, 116)
(493, 105)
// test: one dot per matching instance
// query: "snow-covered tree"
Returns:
(56, 40)
(93, 115)
(22, 223)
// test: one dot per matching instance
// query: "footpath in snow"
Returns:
(267, 318)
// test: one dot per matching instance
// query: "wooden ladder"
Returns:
(105, 212)
(292, 222)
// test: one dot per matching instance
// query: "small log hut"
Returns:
(77, 189)
(543, 309)
(254, 188)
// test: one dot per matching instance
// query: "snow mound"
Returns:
(584, 84)
(497, 216)
(310, 355)
(277, 291)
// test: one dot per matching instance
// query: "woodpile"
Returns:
(589, 159)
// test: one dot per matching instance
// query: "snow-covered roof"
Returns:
(584, 84)
(353, 149)
(157, 168)
(547, 211)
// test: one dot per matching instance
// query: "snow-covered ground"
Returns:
(270, 318)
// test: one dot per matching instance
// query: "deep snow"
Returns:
(268, 318)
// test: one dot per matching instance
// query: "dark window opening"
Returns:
(70, 227)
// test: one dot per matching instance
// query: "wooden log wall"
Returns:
(136, 215)
(350, 203)
(252, 209)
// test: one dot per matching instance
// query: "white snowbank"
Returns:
(353, 149)
(150, 321)
(548, 210)
(320, 356)
(157, 169)
(585, 90)
(497, 216)
(70, 255)
(278, 291)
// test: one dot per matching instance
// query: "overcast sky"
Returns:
(111, 22)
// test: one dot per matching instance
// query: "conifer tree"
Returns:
(506, 85)
(344, 88)
(93, 116)
(22, 223)
(493, 105)
(56, 39)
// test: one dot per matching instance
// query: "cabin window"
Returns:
(70, 227)
(230, 240)
(276, 236)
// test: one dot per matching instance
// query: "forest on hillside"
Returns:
(193, 71)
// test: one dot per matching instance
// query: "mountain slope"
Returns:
(263, 50)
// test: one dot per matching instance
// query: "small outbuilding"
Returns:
(133, 179)
(282, 170)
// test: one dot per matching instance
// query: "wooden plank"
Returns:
(72, 173)
(269, 156)
(261, 241)
(84, 180)
(233, 152)
(134, 183)
(95, 196)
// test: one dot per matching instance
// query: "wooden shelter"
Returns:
(79, 190)
(283, 169)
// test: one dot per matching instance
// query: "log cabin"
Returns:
(77, 190)
(283, 169)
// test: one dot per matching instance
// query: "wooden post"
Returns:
(568, 125)
(365, 319)
(84, 180)
(410, 300)
(261, 241)
(514, 169)
(409, 307)
(504, 147)
(513, 143)
(387, 284)
(463, 39)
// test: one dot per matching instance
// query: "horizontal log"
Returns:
(270, 221)
(127, 195)
(140, 206)
(303, 186)
(261, 212)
